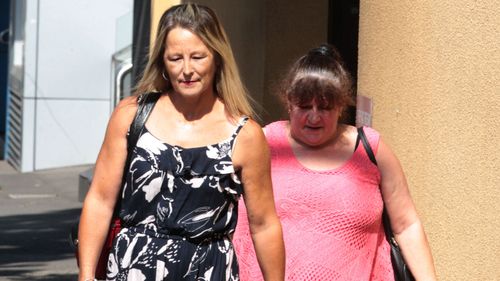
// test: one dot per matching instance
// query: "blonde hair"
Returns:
(203, 22)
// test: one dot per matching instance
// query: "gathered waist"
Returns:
(206, 239)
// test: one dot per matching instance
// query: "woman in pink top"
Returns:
(329, 195)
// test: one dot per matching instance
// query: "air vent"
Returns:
(14, 130)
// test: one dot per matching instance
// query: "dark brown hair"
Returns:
(319, 76)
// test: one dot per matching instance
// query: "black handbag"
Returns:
(146, 102)
(401, 270)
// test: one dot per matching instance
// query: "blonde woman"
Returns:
(198, 153)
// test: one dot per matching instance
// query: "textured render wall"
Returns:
(433, 71)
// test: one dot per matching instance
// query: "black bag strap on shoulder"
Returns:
(401, 271)
(366, 145)
(371, 155)
(145, 104)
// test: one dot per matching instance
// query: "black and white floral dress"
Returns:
(179, 209)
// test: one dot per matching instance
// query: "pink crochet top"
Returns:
(331, 219)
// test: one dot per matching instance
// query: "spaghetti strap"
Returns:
(181, 203)
(241, 123)
(243, 120)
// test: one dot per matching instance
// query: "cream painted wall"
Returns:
(433, 69)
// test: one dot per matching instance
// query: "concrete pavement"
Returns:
(37, 211)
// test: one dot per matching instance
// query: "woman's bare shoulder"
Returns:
(251, 145)
(250, 131)
(127, 105)
(123, 114)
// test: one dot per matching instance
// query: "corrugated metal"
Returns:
(14, 130)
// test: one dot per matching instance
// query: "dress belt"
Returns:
(196, 240)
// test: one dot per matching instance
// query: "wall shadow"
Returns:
(29, 244)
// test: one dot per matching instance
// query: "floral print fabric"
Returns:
(179, 207)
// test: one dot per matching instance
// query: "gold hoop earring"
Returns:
(164, 76)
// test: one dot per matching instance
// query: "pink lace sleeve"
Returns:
(373, 138)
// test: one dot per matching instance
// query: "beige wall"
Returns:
(433, 71)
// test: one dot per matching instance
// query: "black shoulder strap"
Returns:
(371, 155)
(387, 227)
(366, 145)
(145, 102)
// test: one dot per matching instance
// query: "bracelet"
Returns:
(90, 279)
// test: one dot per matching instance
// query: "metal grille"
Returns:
(14, 130)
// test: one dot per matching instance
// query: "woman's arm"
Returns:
(252, 156)
(405, 223)
(101, 198)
